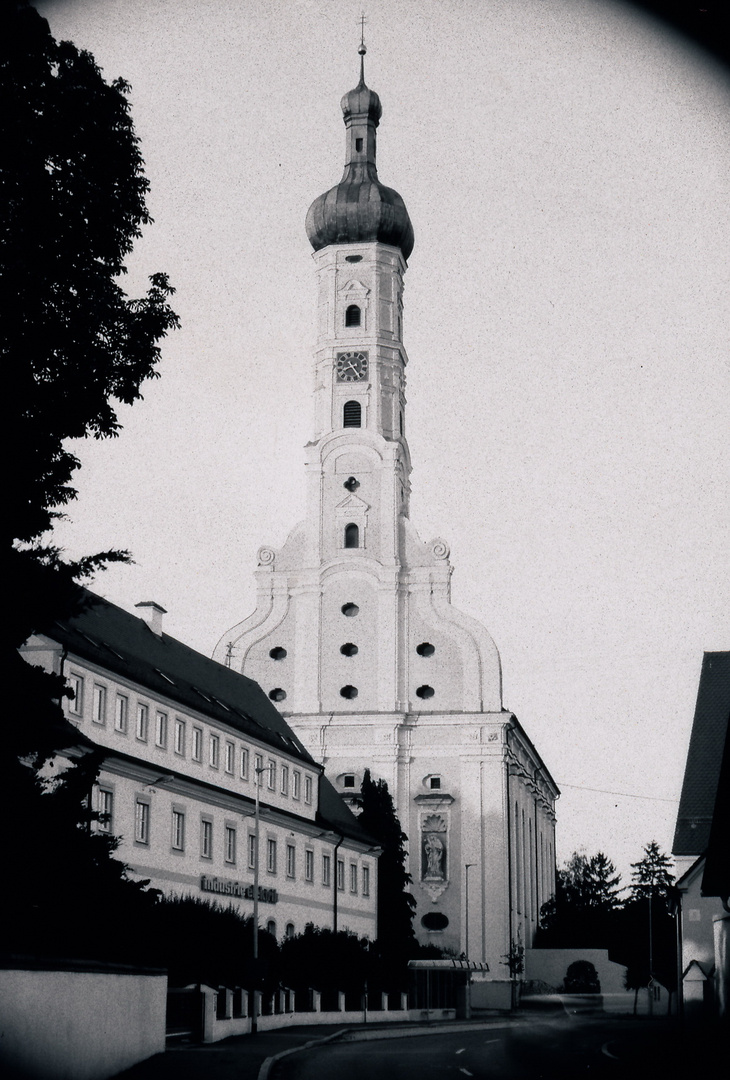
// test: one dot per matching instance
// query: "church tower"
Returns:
(354, 636)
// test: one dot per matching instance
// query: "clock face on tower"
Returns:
(352, 366)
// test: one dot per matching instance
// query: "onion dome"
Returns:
(360, 208)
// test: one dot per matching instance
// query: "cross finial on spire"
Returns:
(362, 50)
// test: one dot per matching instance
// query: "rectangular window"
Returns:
(178, 830)
(341, 875)
(353, 877)
(296, 784)
(244, 763)
(161, 730)
(143, 719)
(180, 737)
(230, 849)
(76, 703)
(271, 775)
(230, 755)
(366, 881)
(206, 839)
(271, 855)
(104, 806)
(99, 716)
(291, 860)
(197, 744)
(327, 870)
(307, 789)
(215, 751)
(252, 851)
(308, 865)
(284, 780)
(142, 822)
(121, 714)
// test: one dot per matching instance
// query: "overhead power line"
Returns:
(619, 794)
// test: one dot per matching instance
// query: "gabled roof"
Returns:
(704, 757)
(111, 638)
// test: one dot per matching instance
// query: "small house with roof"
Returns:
(702, 905)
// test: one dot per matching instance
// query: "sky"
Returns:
(566, 166)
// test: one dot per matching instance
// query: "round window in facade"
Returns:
(425, 649)
(424, 692)
(348, 649)
(348, 692)
(434, 920)
(352, 484)
(278, 653)
(350, 610)
(277, 694)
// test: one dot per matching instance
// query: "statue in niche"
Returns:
(433, 861)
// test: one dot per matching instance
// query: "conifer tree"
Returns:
(396, 905)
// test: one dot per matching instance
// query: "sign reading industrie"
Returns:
(226, 887)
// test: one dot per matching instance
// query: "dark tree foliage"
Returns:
(326, 961)
(73, 199)
(396, 906)
(73, 195)
(580, 913)
(587, 912)
(581, 978)
(648, 923)
(206, 942)
(69, 896)
(652, 875)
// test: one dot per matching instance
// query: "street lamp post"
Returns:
(467, 867)
(256, 818)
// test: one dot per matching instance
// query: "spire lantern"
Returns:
(360, 209)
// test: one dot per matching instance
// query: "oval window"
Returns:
(350, 610)
(424, 692)
(348, 649)
(348, 692)
(277, 653)
(425, 649)
(277, 694)
(434, 920)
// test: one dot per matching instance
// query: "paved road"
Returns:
(539, 1048)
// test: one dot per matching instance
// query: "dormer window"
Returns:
(352, 535)
(352, 414)
(352, 315)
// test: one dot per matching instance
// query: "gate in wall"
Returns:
(185, 1007)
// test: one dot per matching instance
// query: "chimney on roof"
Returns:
(152, 614)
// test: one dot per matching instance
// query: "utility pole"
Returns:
(257, 992)
(467, 868)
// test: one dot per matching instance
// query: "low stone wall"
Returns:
(74, 1021)
(220, 1023)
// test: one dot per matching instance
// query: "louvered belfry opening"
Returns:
(352, 414)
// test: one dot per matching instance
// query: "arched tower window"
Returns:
(352, 536)
(352, 414)
(352, 315)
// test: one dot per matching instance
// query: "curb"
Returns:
(270, 1062)
(368, 1035)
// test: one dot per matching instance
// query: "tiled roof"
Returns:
(111, 638)
(704, 757)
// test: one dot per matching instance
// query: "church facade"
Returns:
(354, 636)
